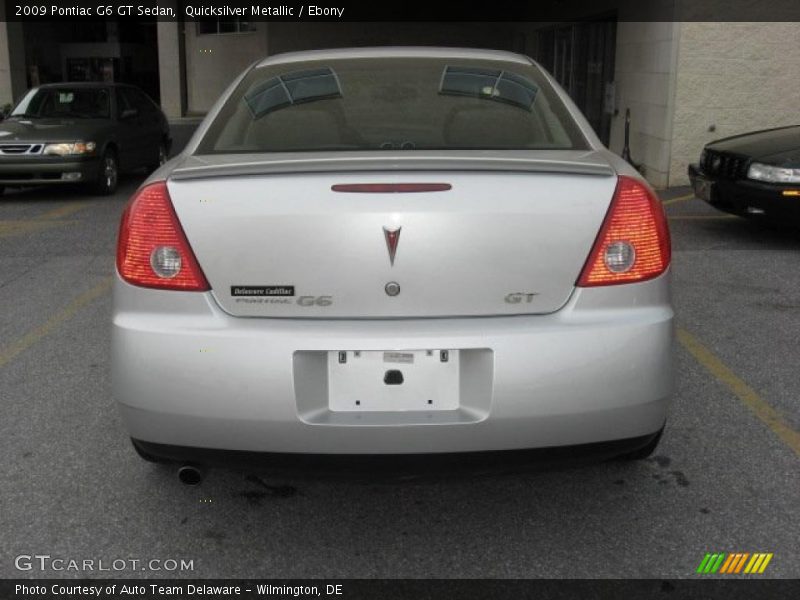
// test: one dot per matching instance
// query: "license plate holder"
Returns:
(393, 381)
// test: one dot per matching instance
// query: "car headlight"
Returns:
(761, 172)
(70, 149)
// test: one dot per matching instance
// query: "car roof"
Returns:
(394, 52)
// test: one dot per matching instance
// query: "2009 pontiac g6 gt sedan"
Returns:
(388, 252)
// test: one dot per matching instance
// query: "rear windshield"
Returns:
(392, 104)
(65, 102)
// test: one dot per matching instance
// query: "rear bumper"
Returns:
(47, 171)
(376, 467)
(187, 374)
(745, 197)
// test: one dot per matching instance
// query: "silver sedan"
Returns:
(389, 252)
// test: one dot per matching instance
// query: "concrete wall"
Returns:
(13, 82)
(645, 78)
(732, 77)
(213, 61)
(171, 65)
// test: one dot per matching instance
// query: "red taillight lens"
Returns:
(633, 243)
(152, 250)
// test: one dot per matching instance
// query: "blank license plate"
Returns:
(408, 380)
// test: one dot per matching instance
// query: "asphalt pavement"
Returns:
(726, 477)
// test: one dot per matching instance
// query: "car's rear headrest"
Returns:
(491, 127)
(298, 127)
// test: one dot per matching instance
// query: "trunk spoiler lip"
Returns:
(587, 163)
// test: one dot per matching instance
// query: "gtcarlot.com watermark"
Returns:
(46, 562)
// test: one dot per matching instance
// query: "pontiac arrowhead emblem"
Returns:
(392, 237)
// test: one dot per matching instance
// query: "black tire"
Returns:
(108, 178)
(163, 156)
(151, 458)
(646, 450)
(2, 189)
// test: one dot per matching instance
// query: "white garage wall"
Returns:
(645, 83)
(734, 77)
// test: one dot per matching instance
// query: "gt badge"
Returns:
(518, 297)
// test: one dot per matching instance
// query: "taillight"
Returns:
(633, 243)
(152, 250)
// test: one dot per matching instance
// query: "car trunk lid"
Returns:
(507, 234)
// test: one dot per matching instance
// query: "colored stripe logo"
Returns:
(734, 563)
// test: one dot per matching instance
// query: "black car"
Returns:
(81, 133)
(753, 175)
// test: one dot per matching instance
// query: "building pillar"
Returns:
(13, 82)
(171, 72)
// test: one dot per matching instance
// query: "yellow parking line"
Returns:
(46, 220)
(768, 415)
(9, 228)
(678, 199)
(63, 211)
(8, 353)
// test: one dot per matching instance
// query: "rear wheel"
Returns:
(109, 174)
(646, 450)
